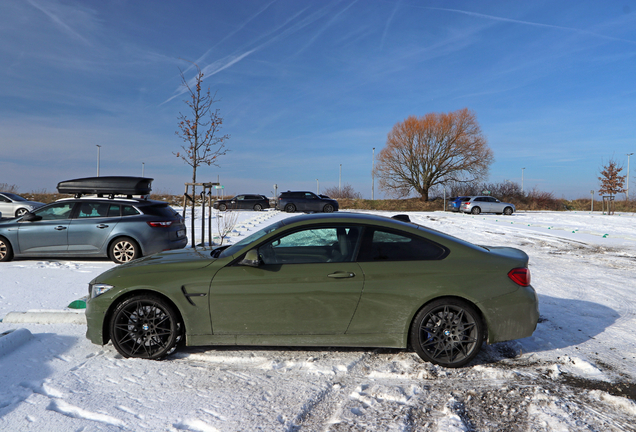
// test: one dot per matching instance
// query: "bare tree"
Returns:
(201, 132)
(430, 150)
(225, 223)
(611, 182)
(346, 191)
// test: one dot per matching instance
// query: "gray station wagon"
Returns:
(486, 204)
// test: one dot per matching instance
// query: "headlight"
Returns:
(95, 290)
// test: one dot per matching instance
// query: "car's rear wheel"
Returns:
(124, 249)
(290, 208)
(258, 207)
(448, 332)
(475, 210)
(222, 207)
(20, 212)
(328, 208)
(145, 326)
(508, 211)
(6, 251)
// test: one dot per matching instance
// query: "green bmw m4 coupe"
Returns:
(343, 279)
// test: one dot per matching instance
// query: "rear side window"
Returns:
(129, 211)
(386, 245)
(162, 210)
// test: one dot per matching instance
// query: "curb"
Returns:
(12, 339)
(46, 317)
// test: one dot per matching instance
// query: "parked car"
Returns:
(306, 202)
(12, 205)
(300, 282)
(243, 202)
(122, 229)
(455, 203)
(486, 204)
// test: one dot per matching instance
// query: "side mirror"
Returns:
(30, 217)
(251, 259)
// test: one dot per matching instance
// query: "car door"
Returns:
(307, 284)
(495, 205)
(6, 207)
(48, 234)
(91, 227)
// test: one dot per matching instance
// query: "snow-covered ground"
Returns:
(576, 372)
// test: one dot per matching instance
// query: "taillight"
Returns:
(160, 224)
(520, 276)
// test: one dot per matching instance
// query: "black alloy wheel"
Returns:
(447, 332)
(146, 327)
(258, 207)
(6, 251)
(124, 249)
(290, 208)
(222, 207)
(328, 208)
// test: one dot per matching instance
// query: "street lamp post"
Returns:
(373, 175)
(98, 149)
(592, 201)
(522, 179)
(317, 187)
(627, 188)
(143, 168)
(340, 180)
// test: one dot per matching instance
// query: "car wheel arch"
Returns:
(474, 304)
(134, 293)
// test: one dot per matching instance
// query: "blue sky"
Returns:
(308, 85)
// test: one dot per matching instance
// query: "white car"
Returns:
(12, 205)
(486, 204)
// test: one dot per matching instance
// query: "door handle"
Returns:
(101, 226)
(60, 228)
(341, 275)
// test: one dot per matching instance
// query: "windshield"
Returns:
(249, 239)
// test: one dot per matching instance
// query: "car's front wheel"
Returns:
(290, 208)
(123, 250)
(21, 212)
(448, 332)
(258, 207)
(508, 211)
(222, 207)
(328, 208)
(6, 251)
(145, 326)
(475, 210)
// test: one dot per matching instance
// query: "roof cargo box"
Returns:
(106, 186)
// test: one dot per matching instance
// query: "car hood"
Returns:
(169, 261)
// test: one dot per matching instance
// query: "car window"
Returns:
(250, 239)
(312, 245)
(309, 195)
(384, 245)
(162, 210)
(240, 197)
(131, 211)
(56, 211)
(14, 197)
(92, 210)
(4, 199)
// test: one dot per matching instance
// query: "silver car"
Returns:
(486, 204)
(122, 229)
(12, 205)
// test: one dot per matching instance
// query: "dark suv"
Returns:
(245, 202)
(306, 202)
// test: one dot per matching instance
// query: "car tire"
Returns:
(258, 207)
(123, 250)
(290, 208)
(447, 332)
(475, 210)
(6, 251)
(328, 208)
(222, 207)
(145, 326)
(21, 212)
(508, 211)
